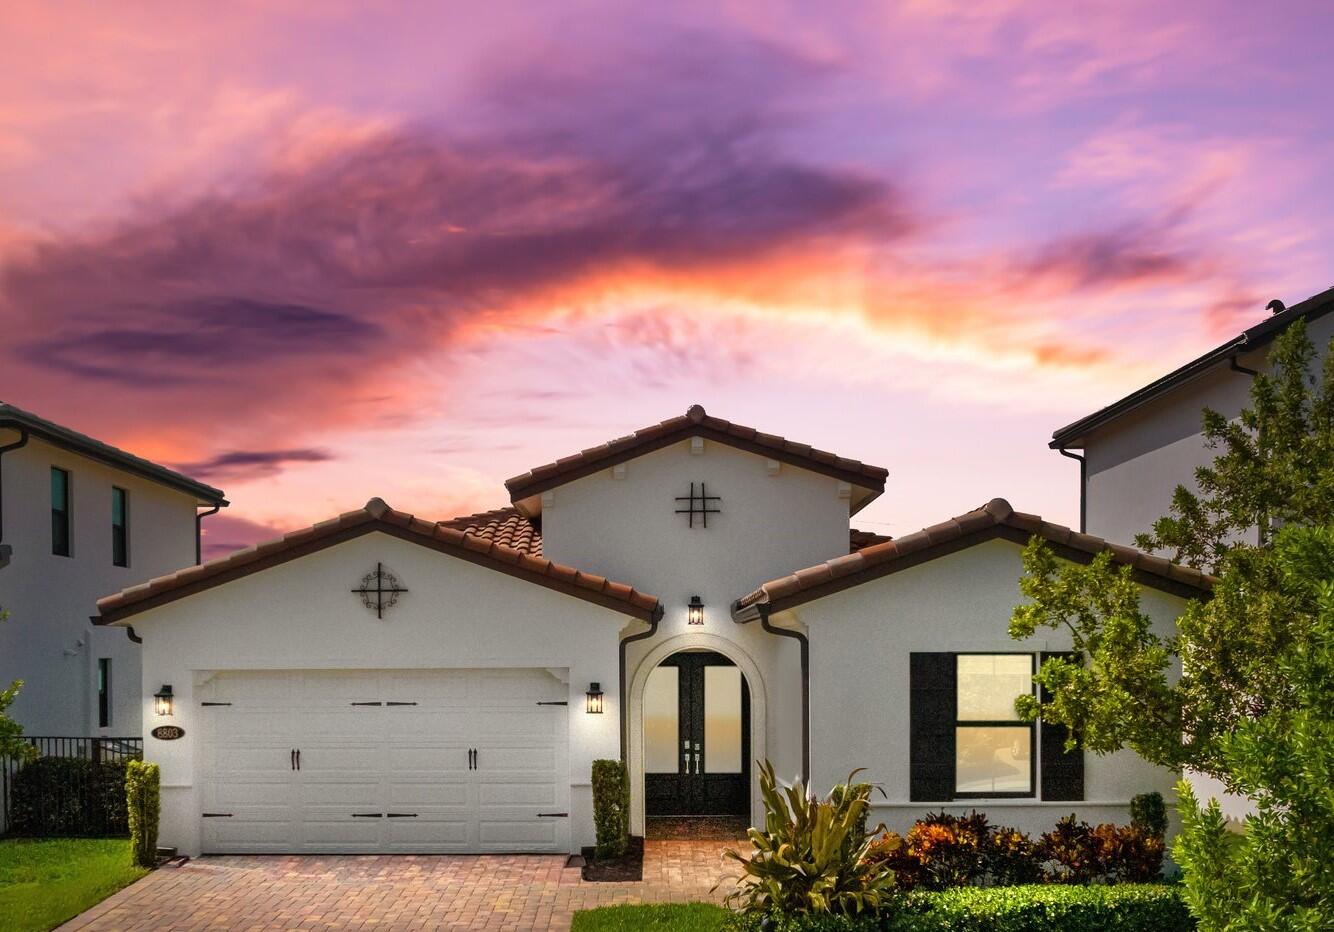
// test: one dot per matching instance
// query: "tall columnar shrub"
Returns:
(1148, 813)
(611, 807)
(143, 804)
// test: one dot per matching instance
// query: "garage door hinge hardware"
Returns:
(216, 815)
(562, 702)
(401, 815)
(368, 703)
(553, 815)
(368, 815)
(400, 703)
(215, 703)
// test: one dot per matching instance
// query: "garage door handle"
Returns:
(553, 815)
(216, 815)
(368, 815)
(367, 703)
(400, 703)
(401, 815)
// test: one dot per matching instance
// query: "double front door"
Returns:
(696, 737)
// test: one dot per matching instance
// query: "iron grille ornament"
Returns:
(379, 590)
(701, 503)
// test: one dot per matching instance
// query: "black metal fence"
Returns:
(74, 787)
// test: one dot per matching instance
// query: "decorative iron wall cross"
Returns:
(701, 504)
(379, 590)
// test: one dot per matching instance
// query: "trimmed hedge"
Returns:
(1032, 908)
(68, 796)
(143, 806)
(611, 807)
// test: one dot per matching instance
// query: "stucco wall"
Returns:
(300, 615)
(860, 642)
(48, 641)
(769, 525)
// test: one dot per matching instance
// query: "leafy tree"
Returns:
(1238, 711)
(11, 732)
(1280, 874)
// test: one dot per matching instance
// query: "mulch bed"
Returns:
(630, 866)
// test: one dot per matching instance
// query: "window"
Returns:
(120, 533)
(60, 523)
(104, 692)
(964, 739)
(993, 749)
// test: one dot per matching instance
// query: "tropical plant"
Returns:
(811, 855)
(611, 808)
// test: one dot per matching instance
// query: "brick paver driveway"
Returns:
(397, 892)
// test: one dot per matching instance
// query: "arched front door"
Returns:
(696, 737)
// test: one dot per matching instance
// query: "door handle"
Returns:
(293, 758)
(400, 815)
(298, 758)
(474, 759)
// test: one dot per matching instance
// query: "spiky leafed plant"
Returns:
(811, 856)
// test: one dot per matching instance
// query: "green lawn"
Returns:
(664, 917)
(45, 882)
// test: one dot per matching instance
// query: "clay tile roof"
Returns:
(504, 526)
(481, 540)
(994, 519)
(859, 539)
(695, 423)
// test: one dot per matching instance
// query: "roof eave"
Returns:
(1253, 338)
(53, 434)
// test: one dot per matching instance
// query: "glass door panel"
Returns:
(722, 719)
(662, 720)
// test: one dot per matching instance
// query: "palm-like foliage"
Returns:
(811, 856)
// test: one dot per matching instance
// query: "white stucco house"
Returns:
(690, 597)
(1134, 452)
(78, 519)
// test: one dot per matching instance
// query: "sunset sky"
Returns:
(312, 253)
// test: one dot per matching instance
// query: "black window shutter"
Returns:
(931, 710)
(1062, 772)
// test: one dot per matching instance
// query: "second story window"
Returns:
(120, 527)
(60, 516)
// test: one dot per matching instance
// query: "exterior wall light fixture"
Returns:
(593, 699)
(695, 611)
(162, 700)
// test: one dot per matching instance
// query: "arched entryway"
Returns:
(696, 738)
(696, 728)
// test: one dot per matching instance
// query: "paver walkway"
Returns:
(402, 892)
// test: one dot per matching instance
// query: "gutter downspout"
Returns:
(762, 611)
(1237, 367)
(625, 689)
(1083, 487)
(199, 532)
(21, 442)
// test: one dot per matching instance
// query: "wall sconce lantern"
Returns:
(695, 611)
(162, 700)
(593, 699)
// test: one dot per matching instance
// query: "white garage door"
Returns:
(387, 761)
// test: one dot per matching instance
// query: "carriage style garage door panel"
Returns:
(394, 760)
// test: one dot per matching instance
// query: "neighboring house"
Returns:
(690, 597)
(79, 518)
(1136, 451)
